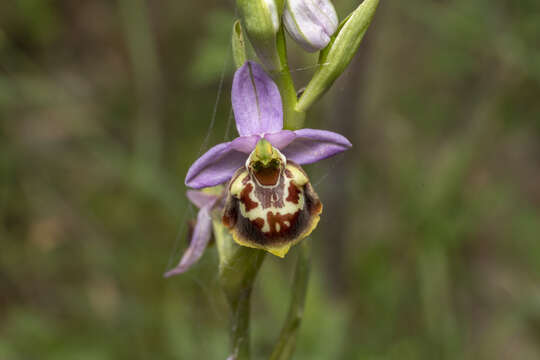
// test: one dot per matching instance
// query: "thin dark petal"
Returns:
(201, 236)
(215, 167)
(281, 138)
(256, 101)
(313, 145)
(200, 198)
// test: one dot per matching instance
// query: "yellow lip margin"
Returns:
(280, 250)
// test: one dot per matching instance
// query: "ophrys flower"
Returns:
(270, 203)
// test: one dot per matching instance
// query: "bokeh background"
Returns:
(429, 247)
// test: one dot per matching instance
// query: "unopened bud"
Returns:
(310, 22)
(335, 58)
(261, 22)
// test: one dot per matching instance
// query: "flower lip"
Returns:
(275, 218)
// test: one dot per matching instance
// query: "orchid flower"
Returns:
(270, 203)
(259, 115)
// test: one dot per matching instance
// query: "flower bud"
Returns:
(261, 22)
(335, 58)
(310, 22)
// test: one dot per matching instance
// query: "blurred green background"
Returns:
(429, 244)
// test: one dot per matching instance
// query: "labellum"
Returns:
(271, 204)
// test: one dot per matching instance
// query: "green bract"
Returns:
(338, 54)
(261, 20)
(238, 45)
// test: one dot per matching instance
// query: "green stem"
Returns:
(240, 306)
(292, 119)
(286, 344)
(237, 276)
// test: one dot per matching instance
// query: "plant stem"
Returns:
(237, 275)
(286, 344)
(292, 119)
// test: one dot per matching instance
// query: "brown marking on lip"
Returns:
(230, 213)
(267, 176)
(312, 199)
(292, 227)
(270, 197)
(294, 193)
(246, 200)
(227, 221)
(316, 208)
(277, 218)
(258, 222)
(288, 173)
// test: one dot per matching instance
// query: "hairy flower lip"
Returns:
(275, 218)
(258, 113)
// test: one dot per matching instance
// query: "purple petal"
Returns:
(216, 166)
(281, 138)
(313, 145)
(201, 236)
(200, 198)
(256, 101)
(245, 144)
